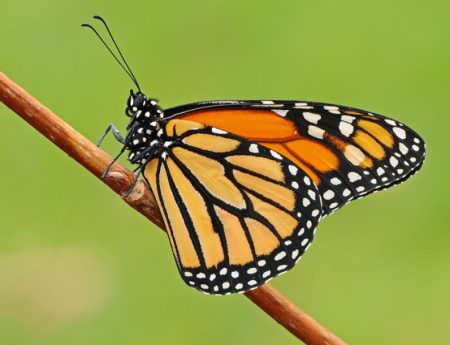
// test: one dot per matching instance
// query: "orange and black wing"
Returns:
(347, 152)
(237, 213)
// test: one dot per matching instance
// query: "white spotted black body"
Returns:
(145, 136)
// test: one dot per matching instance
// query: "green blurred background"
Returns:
(77, 266)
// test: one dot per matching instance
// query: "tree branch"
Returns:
(141, 199)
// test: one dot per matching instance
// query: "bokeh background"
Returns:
(77, 266)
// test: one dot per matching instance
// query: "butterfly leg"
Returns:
(105, 172)
(137, 173)
(115, 132)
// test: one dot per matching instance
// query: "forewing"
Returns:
(347, 152)
(237, 213)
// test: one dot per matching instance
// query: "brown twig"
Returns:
(141, 199)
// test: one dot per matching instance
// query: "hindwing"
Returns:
(237, 213)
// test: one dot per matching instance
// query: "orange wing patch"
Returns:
(255, 125)
(263, 239)
(378, 132)
(270, 130)
(196, 207)
(178, 234)
(281, 220)
(211, 174)
(275, 192)
(294, 157)
(202, 140)
(314, 153)
(266, 167)
(177, 128)
(369, 144)
(239, 251)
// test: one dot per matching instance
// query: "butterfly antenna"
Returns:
(118, 49)
(112, 53)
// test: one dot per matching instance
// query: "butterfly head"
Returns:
(144, 129)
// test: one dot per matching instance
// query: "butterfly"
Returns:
(242, 185)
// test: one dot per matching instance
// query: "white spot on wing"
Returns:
(346, 128)
(393, 161)
(275, 154)
(399, 132)
(354, 154)
(280, 112)
(380, 171)
(280, 256)
(328, 195)
(391, 122)
(315, 132)
(311, 117)
(293, 170)
(312, 194)
(252, 270)
(332, 109)
(347, 118)
(353, 176)
(302, 105)
(218, 131)
(335, 181)
(403, 149)
(253, 148)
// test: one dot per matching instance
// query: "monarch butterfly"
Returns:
(242, 185)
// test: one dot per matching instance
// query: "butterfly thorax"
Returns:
(145, 136)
